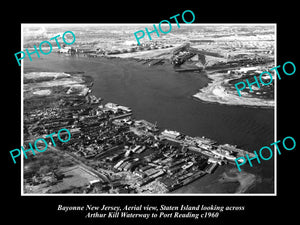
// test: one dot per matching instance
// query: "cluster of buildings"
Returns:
(133, 156)
(100, 51)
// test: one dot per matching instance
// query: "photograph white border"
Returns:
(167, 194)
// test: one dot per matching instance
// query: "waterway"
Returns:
(159, 94)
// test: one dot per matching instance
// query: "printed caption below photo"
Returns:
(199, 211)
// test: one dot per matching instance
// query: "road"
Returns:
(79, 162)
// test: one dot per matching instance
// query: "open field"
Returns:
(45, 84)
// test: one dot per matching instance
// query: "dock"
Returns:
(156, 62)
(189, 70)
(121, 116)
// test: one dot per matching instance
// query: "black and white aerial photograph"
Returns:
(147, 117)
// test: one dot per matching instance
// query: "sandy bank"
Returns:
(217, 92)
(245, 180)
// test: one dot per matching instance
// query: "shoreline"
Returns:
(216, 92)
(245, 180)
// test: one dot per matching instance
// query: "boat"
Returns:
(223, 154)
(233, 148)
(170, 133)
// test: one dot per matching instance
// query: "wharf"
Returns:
(201, 151)
(186, 181)
(121, 116)
(233, 148)
(162, 137)
(156, 61)
(211, 168)
(189, 70)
